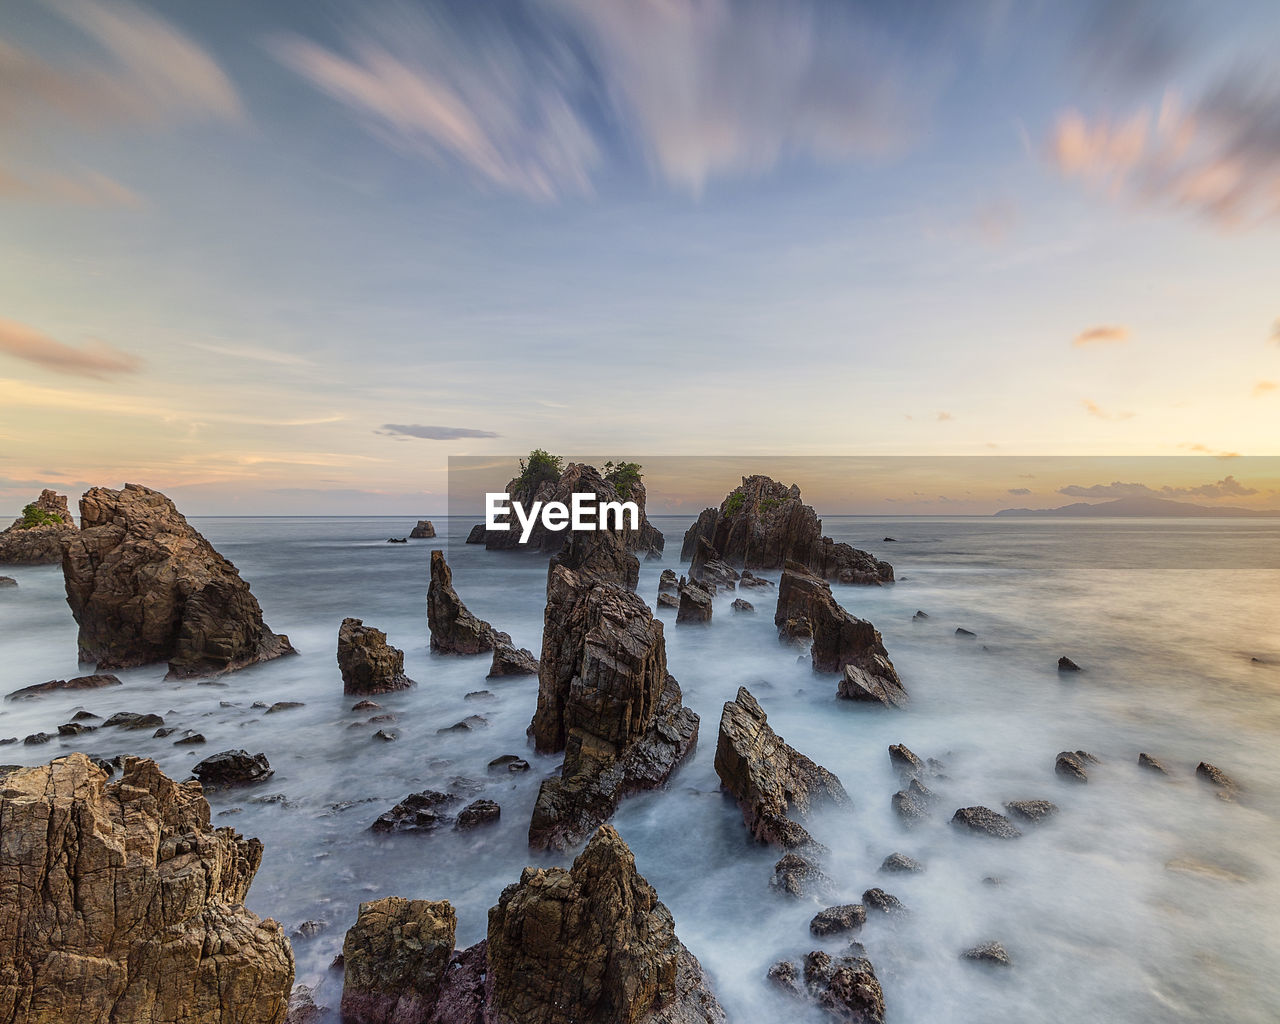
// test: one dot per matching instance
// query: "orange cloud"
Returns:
(87, 189)
(944, 416)
(1094, 409)
(96, 359)
(1264, 386)
(1101, 335)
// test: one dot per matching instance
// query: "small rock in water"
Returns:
(1031, 810)
(1217, 778)
(988, 953)
(961, 631)
(85, 716)
(92, 682)
(919, 615)
(478, 812)
(309, 929)
(909, 807)
(284, 705)
(161, 733)
(418, 812)
(785, 976)
(904, 761)
(1150, 763)
(837, 920)
(985, 821)
(900, 863)
(386, 735)
(37, 738)
(7, 581)
(366, 705)
(129, 720)
(480, 695)
(846, 987)
(797, 877)
(890, 540)
(878, 899)
(75, 729)
(189, 741)
(1065, 664)
(467, 724)
(232, 768)
(739, 605)
(1070, 766)
(509, 660)
(508, 763)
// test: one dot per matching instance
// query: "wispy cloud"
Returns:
(95, 359)
(85, 188)
(1264, 387)
(1101, 335)
(1227, 487)
(253, 352)
(536, 104)
(1094, 409)
(943, 417)
(433, 433)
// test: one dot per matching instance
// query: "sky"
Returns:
(291, 257)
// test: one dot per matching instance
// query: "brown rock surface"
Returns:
(606, 699)
(425, 530)
(92, 682)
(454, 630)
(368, 663)
(769, 778)
(121, 903)
(145, 587)
(38, 545)
(395, 957)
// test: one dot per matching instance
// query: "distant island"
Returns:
(1142, 506)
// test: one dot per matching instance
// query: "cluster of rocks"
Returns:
(432, 810)
(455, 630)
(591, 943)
(575, 478)
(144, 587)
(123, 903)
(763, 524)
(839, 641)
(606, 699)
(369, 665)
(40, 544)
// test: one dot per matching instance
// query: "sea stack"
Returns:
(35, 537)
(144, 586)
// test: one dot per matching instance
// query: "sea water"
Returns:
(1145, 899)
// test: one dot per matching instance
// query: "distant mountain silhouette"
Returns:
(1141, 506)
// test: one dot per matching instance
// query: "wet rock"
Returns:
(37, 541)
(695, 605)
(786, 976)
(838, 920)
(146, 587)
(476, 813)
(130, 720)
(484, 695)
(397, 540)
(885, 903)
(509, 660)
(232, 768)
(1149, 762)
(920, 616)
(139, 912)
(167, 730)
(747, 581)
(797, 876)
(845, 987)
(309, 930)
(37, 739)
(425, 530)
(454, 630)
(763, 524)
(667, 582)
(9, 581)
(303, 1008)
(806, 608)
(1065, 664)
(769, 778)
(668, 601)
(899, 863)
(905, 762)
(195, 739)
(1217, 778)
(508, 763)
(606, 699)
(367, 662)
(739, 605)
(1070, 766)
(988, 953)
(284, 705)
(961, 631)
(418, 812)
(92, 682)
(985, 821)
(912, 804)
(86, 716)
(366, 705)
(395, 957)
(1031, 810)
(547, 929)
(75, 729)
(386, 735)
(477, 534)
(468, 724)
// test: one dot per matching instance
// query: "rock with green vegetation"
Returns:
(35, 538)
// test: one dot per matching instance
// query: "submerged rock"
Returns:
(1217, 778)
(1070, 766)
(454, 630)
(369, 664)
(418, 812)
(9, 581)
(1150, 763)
(425, 530)
(477, 813)
(763, 524)
(798, 876)
(905, 761)
(898, 863)
(93, 682)
(132, 720)
(1065, 664)
(846, 987)
(606, 699)
(144, 586)
(139, 910)
(232, 768)
(37, 539)
(985, 821)
(838, 920)
(769, 778)
(885, 903)
(988, 953)
(1031, 810)
(509, 660)
(743, 607)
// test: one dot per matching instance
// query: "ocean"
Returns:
(1145, 899)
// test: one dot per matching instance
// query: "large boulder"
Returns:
(454, 630)
(769, 778)
(763, 524)
(122, 903)
(368, 663)
(592, 944)
(841, 643)
(606, 699)
(425, 530)
(144, 586)
(35, 538)
(394, 959)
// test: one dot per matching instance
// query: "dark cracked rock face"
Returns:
(985, 821)
(369, 665)
(232, 768)
(417, 812)
(838, 920)
(799, 876)
(454, 630)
